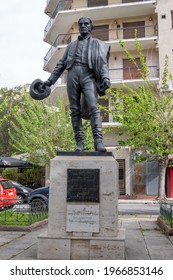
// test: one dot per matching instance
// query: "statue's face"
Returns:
(85, 26)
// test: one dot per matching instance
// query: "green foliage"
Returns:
(26, 177)
(9, 102)
(32, 176)
(36, 128)
(39, 130)
(10, 173)
(145, 112)
(16, 218)
(88, 135)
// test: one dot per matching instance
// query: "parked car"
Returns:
(22, 192)
(39, 198)
(34, 186)
(8, 196)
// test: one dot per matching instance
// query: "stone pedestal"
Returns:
(83, 209)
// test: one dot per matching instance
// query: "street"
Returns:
(137, 207)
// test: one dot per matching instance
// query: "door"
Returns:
(122, 189)
(130, 28)
(101, 32)
(130, 70)
(152, 177)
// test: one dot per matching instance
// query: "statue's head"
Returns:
(85, 26)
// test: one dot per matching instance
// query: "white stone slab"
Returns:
(82, 218)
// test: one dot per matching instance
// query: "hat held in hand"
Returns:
(38, 90)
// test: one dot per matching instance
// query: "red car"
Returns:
(8, 195)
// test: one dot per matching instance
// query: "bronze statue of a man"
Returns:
(86, 60)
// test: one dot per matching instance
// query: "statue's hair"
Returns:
(89, 21)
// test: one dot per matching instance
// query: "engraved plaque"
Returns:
(83, 185)
(82, 218)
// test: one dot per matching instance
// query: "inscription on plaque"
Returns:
(82, 218)
(83, 185)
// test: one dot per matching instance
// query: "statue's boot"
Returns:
(96, 126)
(78, 132)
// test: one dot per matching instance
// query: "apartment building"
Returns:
(115, 20)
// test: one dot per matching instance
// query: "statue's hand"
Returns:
(106, 83)
(47, 83)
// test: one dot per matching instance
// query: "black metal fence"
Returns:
(166, 211)
(22, 215)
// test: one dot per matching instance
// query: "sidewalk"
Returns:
(144, 241)
(138, 201)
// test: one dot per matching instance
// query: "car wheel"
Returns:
(38, 204)
(20, 199)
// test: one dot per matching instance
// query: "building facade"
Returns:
(115, 20)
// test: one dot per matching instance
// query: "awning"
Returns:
(14, 162)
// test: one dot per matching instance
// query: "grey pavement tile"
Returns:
(5, 239)
(148, 224)
(152, 233)
(170, 238)
(133, 234)
(12, 233)
(137, 251)
(8, 254)
(162, 255)
(135, 246)
(28, 254)
(130, 225)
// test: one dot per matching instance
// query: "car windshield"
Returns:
(7, 184)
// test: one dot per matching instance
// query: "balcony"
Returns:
(148, 40)
(71, 15)
(53, 7)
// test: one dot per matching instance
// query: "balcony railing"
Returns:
(62, 5)
(68, 5)
(117, 75)
(114, 34)
(131, 73)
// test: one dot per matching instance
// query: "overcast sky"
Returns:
(21, 42)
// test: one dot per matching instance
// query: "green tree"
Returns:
(146, 116)
(40, 130)
(9, 101)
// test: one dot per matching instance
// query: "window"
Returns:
(130, 70)
(101, 32)
(129, 29)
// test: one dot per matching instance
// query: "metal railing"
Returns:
(118, 74)
(22, 214)
(131, 73)
(114, 34)
(166, 211)
(62, 5)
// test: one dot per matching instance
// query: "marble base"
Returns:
(83, 229)
(81, 247)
